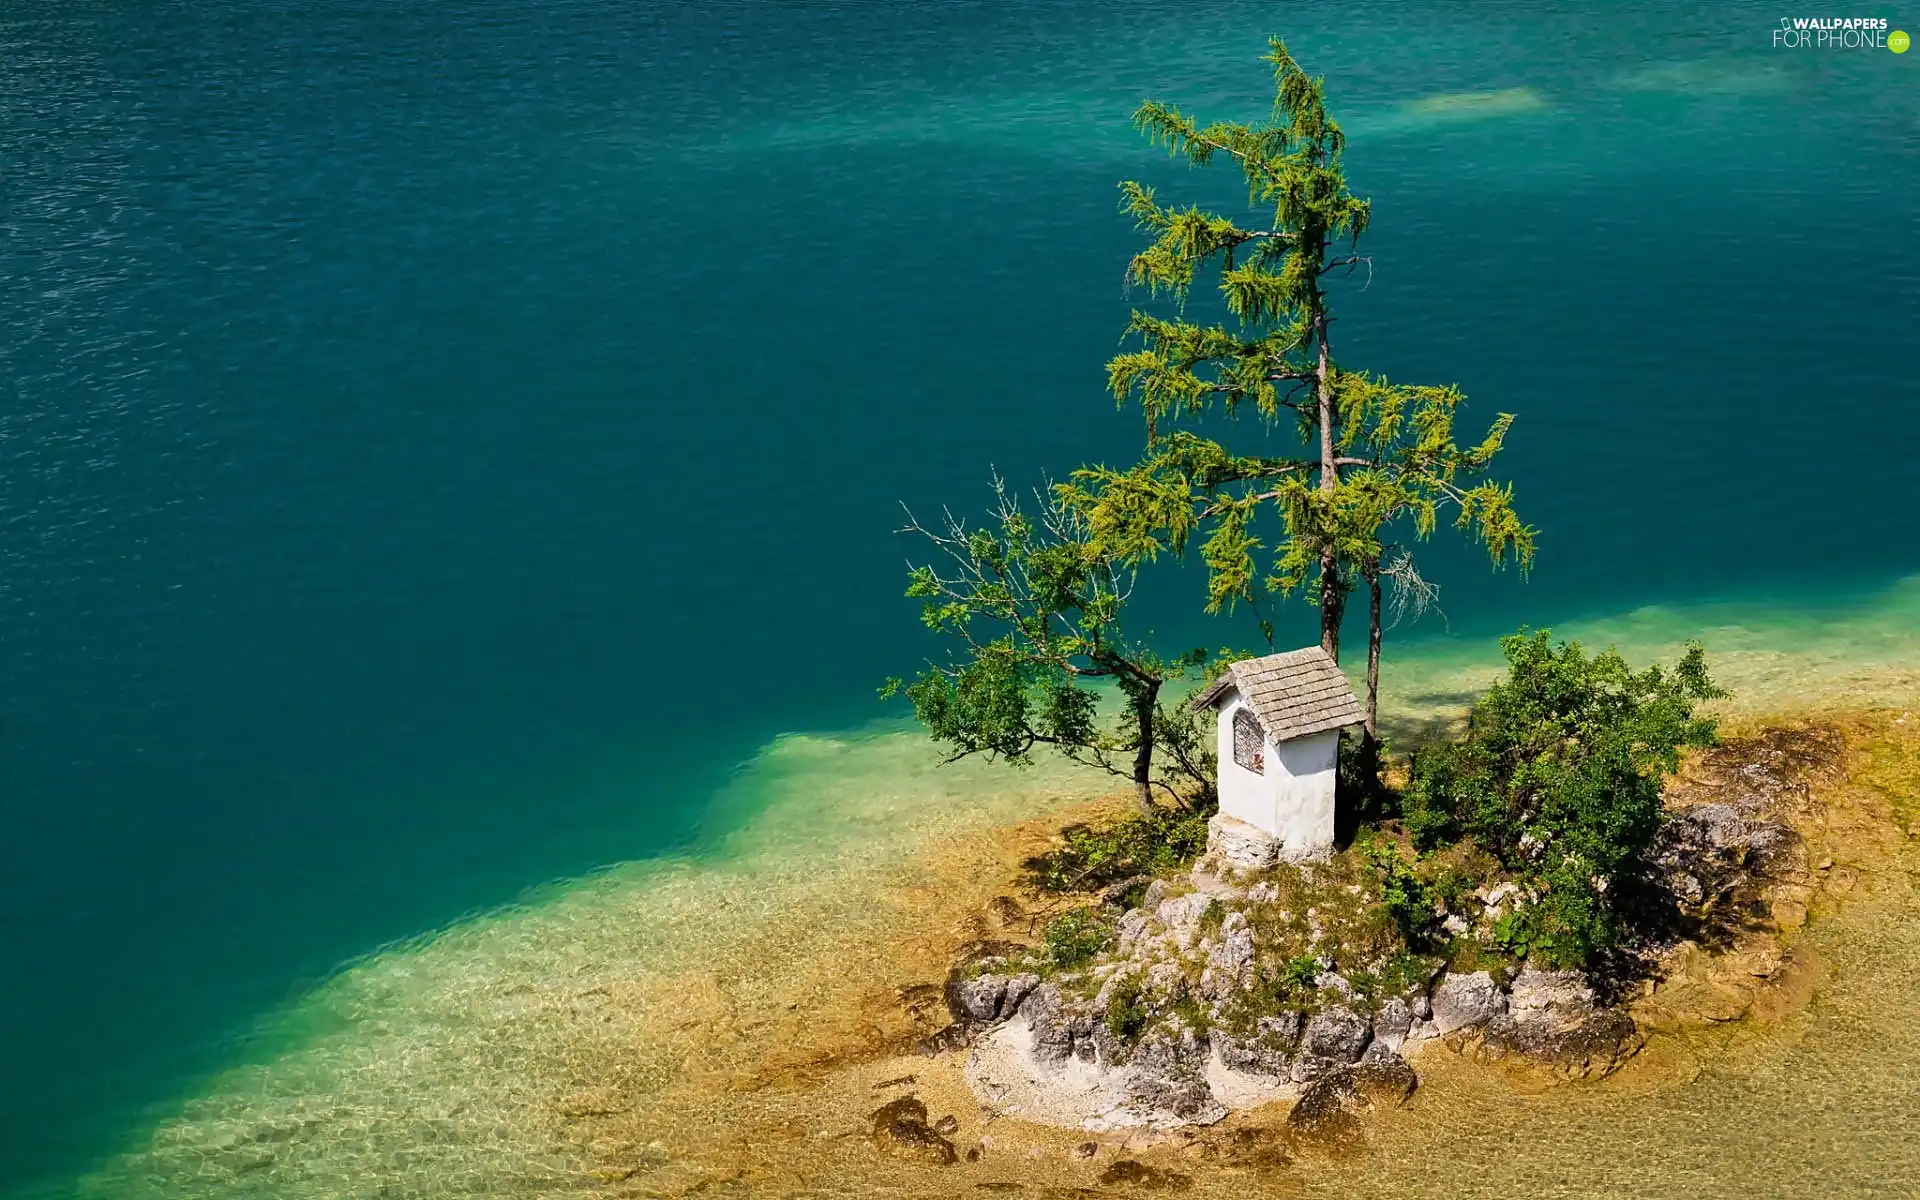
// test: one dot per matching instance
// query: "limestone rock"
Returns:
(1391, 1023)
(1595, 1046)
(1268, 1050)
(1167, 1077)
(1062, 1026)
(1559, 998)
(1337, 1033)
(1183, 915)
(1328, 1110)
(1463, 1001)
(1241, 846)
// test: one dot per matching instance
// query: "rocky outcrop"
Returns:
(1466, 1001)
(1329, 1110)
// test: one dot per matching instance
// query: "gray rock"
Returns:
(1391, 1023)
(1062, 1026)
(1234, 953)
(1592, 1047)
(1240, 845)
(1269, 1050)
(979, 999)
(1328, 1111)
(1156, 892)
(1422, 1008)
(1337, 1033)
(1167, 982)
(1464, 1001)
(1168, 1077)
(1556, 997)
(1182, 916)
(1018, 989)
(1132, 928)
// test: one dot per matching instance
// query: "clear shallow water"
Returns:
(409, 416)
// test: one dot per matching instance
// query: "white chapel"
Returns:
(1280, 719)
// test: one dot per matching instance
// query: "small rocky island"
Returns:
(1255, 973)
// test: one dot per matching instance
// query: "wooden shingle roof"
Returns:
(1295, 694)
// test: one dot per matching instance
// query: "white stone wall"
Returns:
(1293, 799)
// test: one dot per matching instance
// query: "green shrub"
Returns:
(1405, 896)
(1159, 843)
(1075, 937)
(1126, 1013)
(1559, 776)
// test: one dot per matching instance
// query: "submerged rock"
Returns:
(1328, 1111)
(900, 1129)
(1594, 1046)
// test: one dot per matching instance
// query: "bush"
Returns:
(1076, 937)
(1140, 844)
(1406, 897)
(1559, 776)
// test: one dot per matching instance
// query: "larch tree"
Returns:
(1372, 458)
(1277, 356)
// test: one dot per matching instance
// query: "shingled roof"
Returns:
(1295, 694)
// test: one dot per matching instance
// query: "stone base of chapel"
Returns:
(1234, 843)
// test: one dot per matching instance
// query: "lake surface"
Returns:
(441, 443)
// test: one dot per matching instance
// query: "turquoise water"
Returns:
(440, 444)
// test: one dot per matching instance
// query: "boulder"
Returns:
(977, 999)
(1328, 1111)
(1391, 1023)
(1167, 1077)
(1464, 1001)
(900, 1128)
(1557, 997)
(1062, 1026)
(1595, 1046)
(1241, 846)
(1268, 1050)
(1183, 915)
(1336, 1033)
(989, 998)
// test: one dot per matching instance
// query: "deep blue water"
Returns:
(436, 442)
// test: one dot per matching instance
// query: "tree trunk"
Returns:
(1143, 756)
(1372, 571)
(1332, 596)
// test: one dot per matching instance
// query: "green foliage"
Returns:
(1034, 608)
(1075, 937)
(1127, 1013)
(1156, 843)
(1405, 896)
(1367, 465)
(1559, 775)
(1296, 975)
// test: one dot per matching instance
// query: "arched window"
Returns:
(1249, 741)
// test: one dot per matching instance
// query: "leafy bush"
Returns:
(1406, 897)
(1156, 843)
(1559, 776)
(1076, 937)
(1126, 1012)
